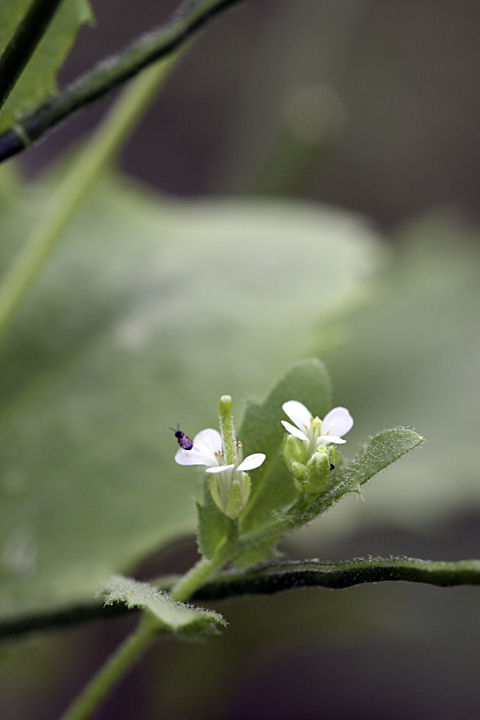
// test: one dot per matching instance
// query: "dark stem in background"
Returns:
(23, 44)
(112, 72)
(271, 578)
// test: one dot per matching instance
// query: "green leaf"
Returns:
(272, 486)
(176, 616)
(382, 450)
(212, 525)
(149, 312)
(38, 80)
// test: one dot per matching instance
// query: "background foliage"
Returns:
(162, 310)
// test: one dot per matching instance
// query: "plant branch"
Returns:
(23, 43)
(78, 180)
(271, 578)
(112, 72)
(122, 660)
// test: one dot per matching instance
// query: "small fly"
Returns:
(182, 439)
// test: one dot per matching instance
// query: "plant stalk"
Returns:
(131, 650)
(113, 72)
(83, 172)
(23, 43)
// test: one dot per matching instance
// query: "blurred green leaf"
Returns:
(149, 311)
(176, 616)
(412, 359)
(38, 80)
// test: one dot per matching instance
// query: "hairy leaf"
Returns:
(178, 617)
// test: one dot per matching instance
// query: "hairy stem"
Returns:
(79, 179)
(274, 577)
(136, 644)
(122, 660)
(23, 43)
(111, 73)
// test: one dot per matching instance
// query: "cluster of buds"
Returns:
(309, 448)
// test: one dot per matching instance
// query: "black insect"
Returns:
(183, 440)
(332, 467)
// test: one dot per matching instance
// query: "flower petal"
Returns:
(194, 456)
(219, 469)
(208, 440)
(251, 462)
(298, 413)
(294, 431)
(337, 422)
(327, 439)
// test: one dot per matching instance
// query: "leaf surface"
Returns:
(178, 617)
(38, 80)
(149, 311)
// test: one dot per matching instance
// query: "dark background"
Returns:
(400, 100)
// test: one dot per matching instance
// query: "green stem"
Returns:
(79, 179)
(111, 73)
(198, 576)
(137, 643)
(133, 647)
(23, 44)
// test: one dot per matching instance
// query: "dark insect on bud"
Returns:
(183, 440)
(332, 467)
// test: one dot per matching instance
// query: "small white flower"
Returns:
(229, 484)
(207, 450)
(315, 432)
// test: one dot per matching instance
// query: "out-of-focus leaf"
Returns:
(148, 312)
(178, 617)
(412, 359)
(38, 80)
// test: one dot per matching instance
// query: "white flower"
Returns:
(314, 432)
(229, 483)
(207, 450)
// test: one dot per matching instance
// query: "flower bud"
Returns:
(295, 456)
(318, 472)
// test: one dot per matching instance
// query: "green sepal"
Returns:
(318, 472)
(295, 455)
(230, 495)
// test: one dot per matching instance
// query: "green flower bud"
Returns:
(318, 472)
(295, 456)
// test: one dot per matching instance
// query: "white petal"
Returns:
(294, 431)
(208, 440)
(327, 439)
(251, 462)
(219, 469)
(337, 422)
(193, 457)
(298, 413)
